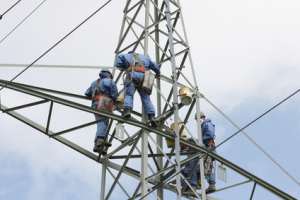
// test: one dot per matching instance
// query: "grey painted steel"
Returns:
(49, 90)
(248, 137)
(127, 170)
(38, 127)
(175, 98)
(140, 4)
(199, 130)
(114, 177)
(49, 118)
(10, 65)
(103, 179)
(200, 141)
(78, 106)
(232, 186)
(253, 190)
(163, 78)
(144, 164)
(171, 18)
(26, 105)
(121, 170)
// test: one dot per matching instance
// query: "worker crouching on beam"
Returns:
(103, 92)
(138, 77)
(192, 169)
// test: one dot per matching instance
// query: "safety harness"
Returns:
(104, 101)
(137, 65)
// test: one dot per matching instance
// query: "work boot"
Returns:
(187, 191)
(127, 113)
(198, 186)
(99, 143)
(151, 121)
(211, 188)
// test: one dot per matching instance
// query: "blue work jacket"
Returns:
(124, 61)
(208, 130)
(106, 86)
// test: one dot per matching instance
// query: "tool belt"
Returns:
(208, 160)
(104, 102)
(140, 68)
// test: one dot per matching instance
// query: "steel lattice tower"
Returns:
(155, 28)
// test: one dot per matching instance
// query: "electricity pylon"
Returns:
(155, 28)
(152, 27)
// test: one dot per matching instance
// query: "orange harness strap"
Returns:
(104, 102)
(140, 68)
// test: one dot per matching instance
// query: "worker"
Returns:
(192, 169)
(136, 66)
(208, 138)
(103, 93)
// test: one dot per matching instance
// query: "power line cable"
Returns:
(57, 66)
(59, 41)
(260, 116)
(240, 130)
(254, 143)
(9, 9)
(22, 21)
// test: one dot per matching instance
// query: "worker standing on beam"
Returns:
(192, 169)
(138, 77)
(208, 138)
(103, 93)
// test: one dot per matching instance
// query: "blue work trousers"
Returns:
(102, 125)
(211, 175)
(191, 171)
(130, 88)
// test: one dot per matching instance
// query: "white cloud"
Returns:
(242, 50)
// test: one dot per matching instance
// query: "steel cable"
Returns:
(22, 21)
(59, 41)
(9, 9)
(250, 138)
(260, 116)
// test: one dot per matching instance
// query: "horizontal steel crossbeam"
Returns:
(139, 124)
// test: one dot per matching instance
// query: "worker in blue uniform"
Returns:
(208, 137)
(103, 93)
(135, 66)
(192, 169)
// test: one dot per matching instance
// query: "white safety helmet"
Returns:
(202, 115)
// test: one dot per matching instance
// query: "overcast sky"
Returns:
(246, 54)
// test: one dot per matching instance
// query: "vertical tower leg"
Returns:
(199, 131)
(175, 98)
(159, 140)
(103, 180)
(144, 166)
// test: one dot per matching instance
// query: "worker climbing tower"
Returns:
(156, 28)
(145, 162)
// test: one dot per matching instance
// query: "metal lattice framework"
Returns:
(156, 28)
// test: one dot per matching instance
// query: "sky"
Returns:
(246, 59)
